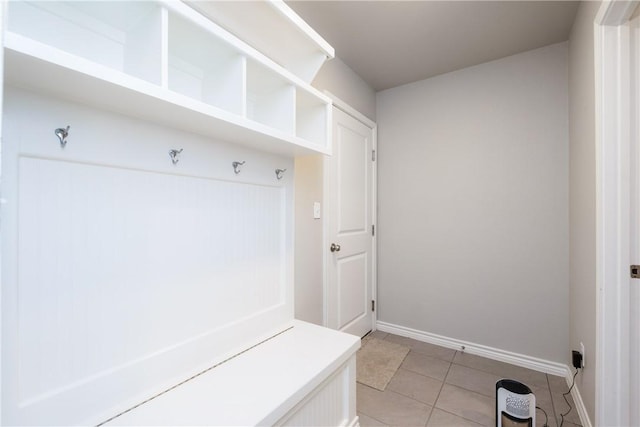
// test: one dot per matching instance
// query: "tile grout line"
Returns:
(373, 418)
(461, 417)
(457, 386)
(500, 362)
(463, 365)
(441, 387)
(385, 389)
(493, 373)
(462, 388)
(399, 394)
(451, 363)
(403, 395)
(553, 405)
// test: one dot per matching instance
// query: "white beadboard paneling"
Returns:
(328, 405)
(116, 265)
(128, 273)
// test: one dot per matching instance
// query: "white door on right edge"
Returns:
(349, 241)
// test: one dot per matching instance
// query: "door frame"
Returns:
(614, 143)
(346, 108)
(2, 24)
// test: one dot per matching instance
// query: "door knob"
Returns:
(334, 248)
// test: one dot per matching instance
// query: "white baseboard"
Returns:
(537, 364)
(525, 361)
(577, 399)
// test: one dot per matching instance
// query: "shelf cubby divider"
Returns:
(203, 67)
(312, 115)
(270, 98)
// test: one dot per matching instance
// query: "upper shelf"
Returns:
(274, 29)
(163, 61)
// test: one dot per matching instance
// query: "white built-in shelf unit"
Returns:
(165, 62)
(274, 29)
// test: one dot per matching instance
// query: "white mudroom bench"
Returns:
(303, 376)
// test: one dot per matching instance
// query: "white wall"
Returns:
(473, 204)
(308, 241)
(336, 77)
(582, 198)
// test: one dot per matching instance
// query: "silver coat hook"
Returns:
(236, 166)
(279, 173)
(62, 134)
(175, 155)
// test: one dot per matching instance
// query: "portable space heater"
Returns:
(515, 405)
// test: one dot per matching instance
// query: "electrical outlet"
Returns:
(583, 355)
(576, 359)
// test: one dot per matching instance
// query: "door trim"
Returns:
(346, 108)
(342, 105)
(613, 192)
(2, 233)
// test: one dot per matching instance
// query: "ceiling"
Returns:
(390, 43)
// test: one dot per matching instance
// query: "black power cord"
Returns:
(546, 418)
(564, 396)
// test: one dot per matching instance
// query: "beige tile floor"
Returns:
(437, 386)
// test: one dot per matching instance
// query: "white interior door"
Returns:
(349, 240)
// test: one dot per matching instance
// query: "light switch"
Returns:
(316, 210)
